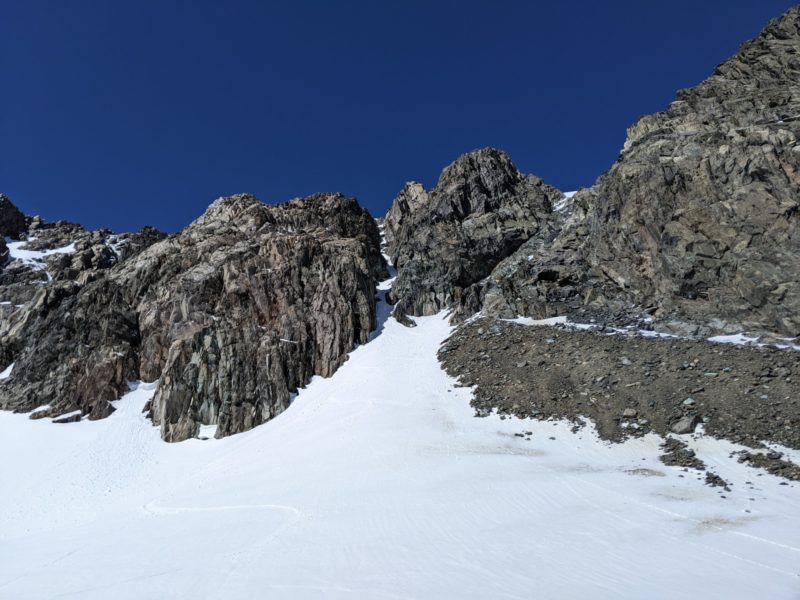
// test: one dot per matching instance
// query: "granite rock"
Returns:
(231, 315)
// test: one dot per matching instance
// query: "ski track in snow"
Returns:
(379, 483)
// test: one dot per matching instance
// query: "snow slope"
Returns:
(379, 483)
(6, 373)
(17, 251)
(34, 259)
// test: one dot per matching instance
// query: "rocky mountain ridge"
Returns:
(692, 232)
(443, 241)
(231, 315)
(695, 226)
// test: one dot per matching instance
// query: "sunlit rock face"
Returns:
(696, 222)
(443, 241)
(231, 315)
(700, 213)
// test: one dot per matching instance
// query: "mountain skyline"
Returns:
(144, 114)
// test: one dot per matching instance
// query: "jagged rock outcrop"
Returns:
(232, 315)
(547, 276)
(12, 221)
(265, 297)
(47, 266)
(43, 253)
(699, 216)
(443, 241)
(695, 225)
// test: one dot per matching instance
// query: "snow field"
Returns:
(379, 483)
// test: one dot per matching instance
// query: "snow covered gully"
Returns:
(379, 483)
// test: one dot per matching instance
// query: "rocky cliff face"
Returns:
(699, 216)
(443, 241)
(547, 276)
(232, 315)
(694, 231)
(694, 228)
(12, 222)
(696, 223)
(46, 266)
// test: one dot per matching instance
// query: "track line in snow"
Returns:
(156, 509)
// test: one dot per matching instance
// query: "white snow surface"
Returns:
(742, 339)
(562, 320)
(115, 245)
(6, 373)
(17, 251)
(738, 339)
(71, 413)
(564, 202)
(379, 483)
(34, 258)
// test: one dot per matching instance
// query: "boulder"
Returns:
(685, 424)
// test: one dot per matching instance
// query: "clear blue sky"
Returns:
(121, 114)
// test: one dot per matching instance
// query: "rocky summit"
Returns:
(443, 241)
(695, 227)
(699, 216)
(231, 315)
(692, 235)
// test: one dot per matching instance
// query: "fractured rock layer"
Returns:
(232, 315)
(699, 216)
(697, 222)
(445, 240)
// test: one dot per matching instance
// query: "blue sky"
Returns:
(122, 114)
